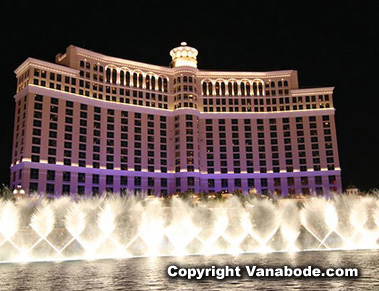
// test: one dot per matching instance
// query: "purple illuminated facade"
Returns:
(90, 123)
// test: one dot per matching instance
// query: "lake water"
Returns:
(151, 273)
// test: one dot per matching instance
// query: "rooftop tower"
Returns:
(184, 56)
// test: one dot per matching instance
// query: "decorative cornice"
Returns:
(240, 75)
(168, 112)
(77, 169)
(43, 65)
(93, 101)
(120, 62)
(272, 114)
(322, 90)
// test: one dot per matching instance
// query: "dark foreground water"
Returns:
(150, 273)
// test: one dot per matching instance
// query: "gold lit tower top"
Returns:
(184, 56)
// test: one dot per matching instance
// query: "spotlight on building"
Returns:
(18, 193)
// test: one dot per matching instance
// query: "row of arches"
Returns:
(87, 65)
(184, 79)
(234, 88)
(137, 79)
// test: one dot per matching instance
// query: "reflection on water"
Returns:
(150, 273)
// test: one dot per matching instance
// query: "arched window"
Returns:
(147, 81)
(108, 75)
(88, 65)
(230, 88)
(114, 76)
(217, 87)
(223, 88)
(248, 91)
(190, 79)
(260, 89)
(122, 77)
(127, 78)
(152, 83)
(255, 89)
(280, 84)
(285, 83)
(94, 67)
(165, 85)
(82, 63)
(178, 79)
(205, 88)
(135, 78)
(273, 84)
(160, 84)
(235, 88)
(243, 89)
(140, 80)
(210, 88)
(185, 79)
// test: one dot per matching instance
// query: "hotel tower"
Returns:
(90, 123)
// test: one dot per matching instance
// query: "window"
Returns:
(50, 175)
(332, 179)
(250, 182)
(137, 181)
(34, 174)
(33, 187)
(95, 179)
(81, 177)
(66, 176)
(50, 188)
(109, 180)
(124, 180)
(81, 190)
(65, 189)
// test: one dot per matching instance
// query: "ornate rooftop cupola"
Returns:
(184, 56)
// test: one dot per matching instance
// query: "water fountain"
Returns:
(121, 227)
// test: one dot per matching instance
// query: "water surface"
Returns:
(151, 273)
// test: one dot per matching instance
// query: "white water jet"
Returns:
(9, 219)
(118, 227)
(265, 223)
(75, 221)
(290, 223)
(43, 220)
(152, 227)
(181, 230)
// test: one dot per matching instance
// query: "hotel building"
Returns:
(90, 123)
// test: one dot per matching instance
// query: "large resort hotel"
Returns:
(91, 123)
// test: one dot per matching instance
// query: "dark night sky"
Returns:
(329, 46)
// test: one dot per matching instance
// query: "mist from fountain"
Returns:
(120, 227)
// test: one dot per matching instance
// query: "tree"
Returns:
(203, 196)
(186, 194)
(6, 193)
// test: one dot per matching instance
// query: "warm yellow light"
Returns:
(185, 62)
